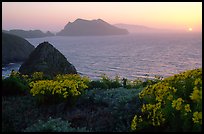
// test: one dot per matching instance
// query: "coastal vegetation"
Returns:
(174, 104)
(74, 103)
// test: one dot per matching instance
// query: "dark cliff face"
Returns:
(14, 48)
(81, 27)
(47, 59)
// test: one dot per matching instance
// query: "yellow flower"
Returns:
(174, 90)
(198, 81)
(170, 97)
(65, 94)
(177, 104)
(42, 92)
(180, 99)
(197, 117)
(143, 108)
(187, 108)
(174, 103)
(134, 123)
(140, 119)
(195, 96)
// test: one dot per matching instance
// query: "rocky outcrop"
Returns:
(15, 49)
(47, 59)
(29, 34)
(81, 27)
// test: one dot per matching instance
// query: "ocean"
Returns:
(128, 56)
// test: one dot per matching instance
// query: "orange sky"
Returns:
(54, 16)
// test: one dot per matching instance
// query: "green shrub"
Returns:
(105, 83)
(61, 88)
(140, 83)
(53, 125)
(137, 83)
(112, 97)
(17, 83)
(119, 103)
(7, 124)
(15, 115)
(111, 83)
(97, 84)
(37, 76)
(174, 104)
(13, 86)
(28, 78)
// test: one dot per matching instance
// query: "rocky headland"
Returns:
(14, 48)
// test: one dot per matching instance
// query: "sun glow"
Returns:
(54, 16)
(190, 29)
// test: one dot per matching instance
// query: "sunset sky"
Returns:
(53, 16)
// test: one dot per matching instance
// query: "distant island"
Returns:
(28, 34)
(138, 28)
(81, 27)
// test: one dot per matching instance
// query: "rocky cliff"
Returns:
(14, 48)
(47, 59)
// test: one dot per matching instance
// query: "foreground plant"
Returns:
(62, 87)
(174, 104)
(53, 125)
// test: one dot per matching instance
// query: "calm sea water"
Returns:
(130, 56)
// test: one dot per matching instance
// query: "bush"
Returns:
(134, 84)
(140, 83)
(37, 76)
(117, 105)
(53, 125)
(61, 88)
(15, 112)
(13, 86)
(174, 104)
(97, 84)
(17, 83)
(106, 83)
(112, 97)
(111, 83)
(7, 124)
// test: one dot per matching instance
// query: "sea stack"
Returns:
(47, 59)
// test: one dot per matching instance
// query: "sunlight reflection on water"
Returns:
(130, 56)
